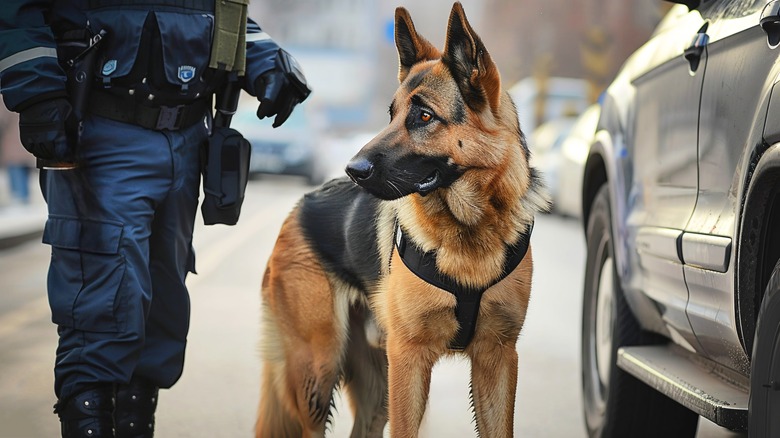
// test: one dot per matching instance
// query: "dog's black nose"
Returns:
(359, 169)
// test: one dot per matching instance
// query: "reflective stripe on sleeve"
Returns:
(27, 55)
(258, 36)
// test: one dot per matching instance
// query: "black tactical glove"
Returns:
(48, 129)
(280, 89)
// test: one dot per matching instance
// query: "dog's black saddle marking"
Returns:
(339, 219)
(423, 264)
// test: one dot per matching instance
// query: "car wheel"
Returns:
(616, 404)
(764, 404)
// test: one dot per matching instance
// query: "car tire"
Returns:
(764, 404)
(615, 403)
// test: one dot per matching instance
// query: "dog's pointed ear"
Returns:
(412, 48)
(470, 63)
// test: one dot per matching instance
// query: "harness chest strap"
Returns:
(423, 264)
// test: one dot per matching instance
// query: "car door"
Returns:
(664, 184)
(733, 108)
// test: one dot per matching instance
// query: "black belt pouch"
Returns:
(225, 176)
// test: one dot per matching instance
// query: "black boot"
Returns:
(89, 413)
(135, 406)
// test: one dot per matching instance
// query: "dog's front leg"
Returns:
(493, 385)
(409, 379)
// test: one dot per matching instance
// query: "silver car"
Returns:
(681, 209)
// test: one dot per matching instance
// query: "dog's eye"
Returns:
(420, 117)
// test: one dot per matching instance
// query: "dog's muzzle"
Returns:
(391, 177)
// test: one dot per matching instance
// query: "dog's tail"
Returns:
(304, 333)
(273, 420)
(273, 416)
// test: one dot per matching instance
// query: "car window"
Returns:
(726, 9)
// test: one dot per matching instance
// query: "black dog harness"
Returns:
(423, 264)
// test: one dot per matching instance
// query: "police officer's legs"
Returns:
(167, 323)
(100, 285)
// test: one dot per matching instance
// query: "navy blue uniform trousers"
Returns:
(120, 228)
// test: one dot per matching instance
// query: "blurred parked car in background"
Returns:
(539, 100)
(681, 209)
(339, 149)
(574, 152)
(291, 149)
(545, 144)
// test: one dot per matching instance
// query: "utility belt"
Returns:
(159, 118)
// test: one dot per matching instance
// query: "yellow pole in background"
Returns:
(596, 60)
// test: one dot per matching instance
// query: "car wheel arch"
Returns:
(594, 176)
(598, 170)
(759, 237)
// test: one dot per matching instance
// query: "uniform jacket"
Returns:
(159, 48)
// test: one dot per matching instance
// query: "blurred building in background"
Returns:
(347, 51)
(335, 41)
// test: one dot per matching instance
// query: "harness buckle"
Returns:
(400, 242)
(169, 117)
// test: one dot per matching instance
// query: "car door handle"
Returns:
(770, 22)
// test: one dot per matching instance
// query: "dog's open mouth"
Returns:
(429, 184)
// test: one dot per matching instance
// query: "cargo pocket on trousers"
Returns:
(86, 272)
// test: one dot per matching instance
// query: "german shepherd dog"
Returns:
(450, 177)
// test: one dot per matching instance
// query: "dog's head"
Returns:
(444, 116)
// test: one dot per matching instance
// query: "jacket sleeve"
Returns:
(29, 71)
(260, 55)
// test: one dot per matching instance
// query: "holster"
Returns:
(80, 50)
(225, 176)
(77, 51)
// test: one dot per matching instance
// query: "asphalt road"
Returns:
(217, 394)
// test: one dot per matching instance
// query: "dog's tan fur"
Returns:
(383, 343)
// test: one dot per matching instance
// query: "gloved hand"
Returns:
(280, 89)
(48, 130)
